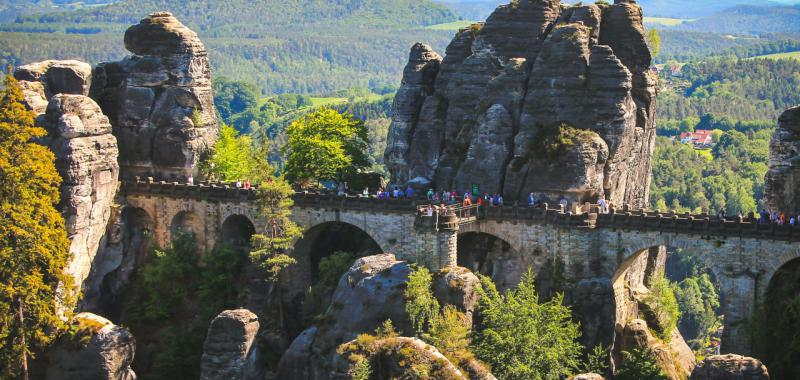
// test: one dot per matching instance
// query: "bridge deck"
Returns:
(645, 220)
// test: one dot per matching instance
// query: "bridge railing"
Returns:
(625, 218)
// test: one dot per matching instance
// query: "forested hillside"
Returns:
(301, 46)
(746, 19)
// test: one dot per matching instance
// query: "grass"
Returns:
(789, 55)
(322, 101)
(665, 21)
(452, 26)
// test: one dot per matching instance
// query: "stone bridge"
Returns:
(594, 250)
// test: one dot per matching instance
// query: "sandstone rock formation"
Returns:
(107, 355)
(730, 367)
(159, 100)
(394, 357)
(633, 325)
(367, 295)
(86, 158)
(783, 177)
(229, 351)
(536, 76)
(58, 77)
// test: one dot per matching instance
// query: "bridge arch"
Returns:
(777, 321)
(237, 230)
(496, 257)
(188, 222)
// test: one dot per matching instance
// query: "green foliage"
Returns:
(33, 239)
(597, 361)
(654, 41)
(172, 302)
(698, 301)
(235, 158)
(775, 325)
(360, 369)
(639, 365)
(274, 199)
(662, 306)
(521, 338)
(420, 303)
(553, 141)
(319, 294)
(323, 145)
(233, 97)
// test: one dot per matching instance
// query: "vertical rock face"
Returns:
(783, 177)
(728, 367)
(229, 351)
(58, 77)
(107, 356)
(159, 100)
(86, 157)
(536, 75)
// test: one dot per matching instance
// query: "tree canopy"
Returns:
(324, 145)
(34, 248)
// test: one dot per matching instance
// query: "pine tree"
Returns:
(34, 248)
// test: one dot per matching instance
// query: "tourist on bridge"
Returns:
(721, 215)
(467, 201)
(563, 203)
(396, 192)
(429, 210)
(603, 204)
(480, 201)
(247, 185)
(238, 183)
(531, 200)
(792, 221)
(430, 194)
(190, 179)
(409, 192)
(764, 217)
(436, 197)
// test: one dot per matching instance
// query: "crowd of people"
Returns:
(779, 218)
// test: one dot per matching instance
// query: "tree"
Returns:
(663, 305)
(421, 305)
(323, 145)
(639, 365)
(654, 41)
(34, 249)
(521, 338)
(274, 199)
(235, 158)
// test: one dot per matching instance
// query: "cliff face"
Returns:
(543, 97)
(783, 177)
(159, 100)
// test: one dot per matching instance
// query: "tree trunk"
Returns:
(22, 341)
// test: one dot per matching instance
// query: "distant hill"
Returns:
(11, 9)
(749, 19)
(684, 9)
(298, 46)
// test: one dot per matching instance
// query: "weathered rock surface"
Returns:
(370, 293)
(393, 359)
(107, 356)
(587, 376)
(730, 367)
(229, 351)
(86, 158)
(476, 115)
(783, 177)
(58, 77)
(159, 100)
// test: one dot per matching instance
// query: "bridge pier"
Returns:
(437, 241)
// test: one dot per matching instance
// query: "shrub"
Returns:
(662, 306)
(421, 305)
(639, 365)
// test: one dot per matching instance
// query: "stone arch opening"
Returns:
(186, 222)
(237, 230)
(698, 296)
(303, 293)
(776, 321)
(496, 258)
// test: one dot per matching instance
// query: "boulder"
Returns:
(730, 367)
(531, 68)
(675, 358)
(371, 292)
(783, 178)
(229, 351)
(587, 376)
(58, 77)
(79, 135)
(159, 100)
(107, 355)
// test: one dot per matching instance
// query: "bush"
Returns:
(421, 305)
(662, 307)
(521, 338)
(639, 365)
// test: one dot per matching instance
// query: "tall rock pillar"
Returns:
(783, 178)
(159, 100)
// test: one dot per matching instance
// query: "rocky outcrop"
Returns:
(587, 376)
(58, 77)
(730, 367)
(159, 100)
(229, 351)
(783, 177)
(675, 357)
(536, 76)
(103, 351)
(398, 358)
(370, 293)
(86, 158)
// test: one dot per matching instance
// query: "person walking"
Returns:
(409, 192)
(430, 194)
(531, 200)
